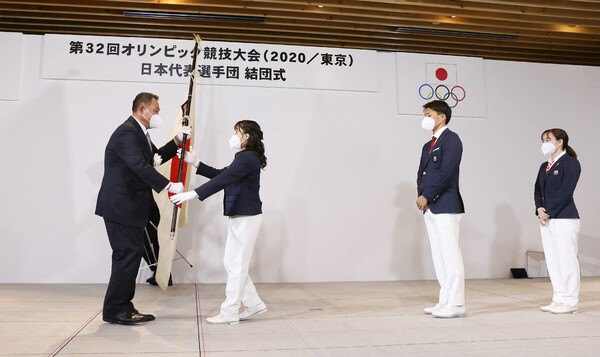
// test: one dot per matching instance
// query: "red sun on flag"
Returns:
(441, 74)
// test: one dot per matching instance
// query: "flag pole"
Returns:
(185, 122)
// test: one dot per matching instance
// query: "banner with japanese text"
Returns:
(132, 59)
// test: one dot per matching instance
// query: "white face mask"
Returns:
(235, 143)
(155, 120)
(548, 148)
(428, 123)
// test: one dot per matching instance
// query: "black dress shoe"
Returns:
(125, 318)
(152, 281)
(145, 317)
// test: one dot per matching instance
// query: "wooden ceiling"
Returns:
(551, 31)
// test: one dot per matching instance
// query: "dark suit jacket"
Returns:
(241, 181)
(554, 190)
(437, 178)
(125, 195)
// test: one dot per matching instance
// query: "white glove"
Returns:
(175, 187)
(182, 197)
(157, 160)
(190, 156)
(184, 130)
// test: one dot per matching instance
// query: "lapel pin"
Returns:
(555, 172)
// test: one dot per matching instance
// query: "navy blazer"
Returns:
(554, 190)
(129, 176)
(241, 181)
(437, 178)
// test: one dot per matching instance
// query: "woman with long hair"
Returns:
(559, 219)
(241, 182)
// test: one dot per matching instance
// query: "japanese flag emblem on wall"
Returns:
(459, 81)
(441, 73)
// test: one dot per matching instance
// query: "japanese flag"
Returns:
(441, 73)
(168, 245)
(419, 74)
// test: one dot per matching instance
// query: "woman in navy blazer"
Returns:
(241, 202)
(559, 219)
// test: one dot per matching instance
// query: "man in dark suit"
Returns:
(439, 199)
(125, 199)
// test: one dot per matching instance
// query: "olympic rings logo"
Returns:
(448, 94)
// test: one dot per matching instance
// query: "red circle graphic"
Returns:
(441, 74)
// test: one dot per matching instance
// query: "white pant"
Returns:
(559, 238)
(442, 230)
(241, 236)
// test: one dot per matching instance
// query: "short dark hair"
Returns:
(440, 107)
(143, 98)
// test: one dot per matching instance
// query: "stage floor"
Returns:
(307, 319)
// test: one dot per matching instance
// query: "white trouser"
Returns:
(559, 238)
(442, 230)
(241, 236)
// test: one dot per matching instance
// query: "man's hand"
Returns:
(190, 157)
(175, 187)
(157, 160)
(543, 216)
(182, 197)
(184, 130)
(422, 203)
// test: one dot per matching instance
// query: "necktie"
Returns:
(550, 163)
(430, 148)
(149, 141)
(432, 143)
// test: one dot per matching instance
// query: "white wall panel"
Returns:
(339, 189)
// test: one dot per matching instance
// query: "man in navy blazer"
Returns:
(439, 199)
(125, 199)
(437, 178)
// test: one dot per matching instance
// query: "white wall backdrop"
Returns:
(339, 189)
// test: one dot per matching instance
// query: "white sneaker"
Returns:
(431, 310)
(450, 312)
(220, 319)
(561, 308)
(548, 308)
(253, 311)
